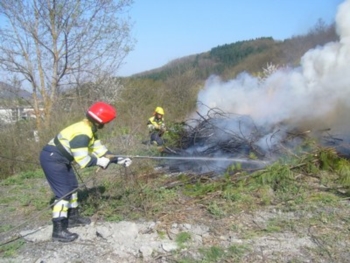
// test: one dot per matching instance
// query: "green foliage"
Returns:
(343, 170)
(235, 167)
(162, 234)
(31, 174)
(174, 134)
(250, 56)
(237, 251)
(233, 193)
(182, 238)
(212, 254)
(325, 198)
(20, 179)
(232, 54)
(216, 210)
(278, 176)
(327, 158)
(19, 151)
(199, 189)
(10, 250)
(273, 225)
(234, 253)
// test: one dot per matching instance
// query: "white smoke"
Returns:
(314, 95)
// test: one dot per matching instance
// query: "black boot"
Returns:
(61, 233)
(74, 218)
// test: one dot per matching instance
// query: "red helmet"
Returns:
(102, 112)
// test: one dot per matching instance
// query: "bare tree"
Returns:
(58, 44)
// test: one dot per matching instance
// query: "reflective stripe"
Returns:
(51, 142)
(98, 149)
(83, 161)
(73, 203)
(93, 115)
(97, 143)
(80, 141)
(100, 152)
(80, 152)
(60, 209)
(64, 142)
(81, 156)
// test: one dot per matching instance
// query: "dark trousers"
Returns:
(156, 137)
(58, 171)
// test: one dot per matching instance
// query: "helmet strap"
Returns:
(95, 124)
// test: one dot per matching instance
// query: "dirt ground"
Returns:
(271, 234)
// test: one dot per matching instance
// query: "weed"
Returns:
(162, 234)
(236, 252)
(200, 189)
(4, 228)
(114, 218)
(232, 194)
(343, 170)
(216, 210)
(31, 174)
(325, 198)
(273, 225)
(10, 250)
(278, 176)
(182, 238)
(212, 254)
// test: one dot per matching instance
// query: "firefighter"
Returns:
(76, 143)
(156, 127)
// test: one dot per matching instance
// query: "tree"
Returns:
(52, 45)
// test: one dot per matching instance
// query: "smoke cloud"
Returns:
(315, 95)
(249, 114)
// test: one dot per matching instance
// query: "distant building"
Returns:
(14, 114)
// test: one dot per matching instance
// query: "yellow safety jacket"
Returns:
(155, 124)
(80, 142)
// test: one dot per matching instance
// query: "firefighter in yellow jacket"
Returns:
(76, 143)
(156, 126)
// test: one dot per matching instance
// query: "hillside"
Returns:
(228, 60)
(10, 93)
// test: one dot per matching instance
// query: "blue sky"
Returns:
(170, 29)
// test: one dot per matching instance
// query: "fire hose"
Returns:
(192, 158)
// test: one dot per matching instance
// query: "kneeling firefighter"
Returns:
(76, 143)
(156, 126)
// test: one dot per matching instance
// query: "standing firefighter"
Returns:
(156, 126)
(76, 143)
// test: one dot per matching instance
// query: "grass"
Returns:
(309, 192)
(212, 254)
(10, 250)
(20, 179)
(182, 238)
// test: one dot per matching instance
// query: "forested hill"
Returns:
(228, 60)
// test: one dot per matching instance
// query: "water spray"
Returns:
(194, 158)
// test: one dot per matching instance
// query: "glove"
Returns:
(103, 162)
(124, 161)
(162, 128)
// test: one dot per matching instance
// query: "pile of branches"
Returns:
(219, 134)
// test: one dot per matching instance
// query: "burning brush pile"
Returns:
(213, 143)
